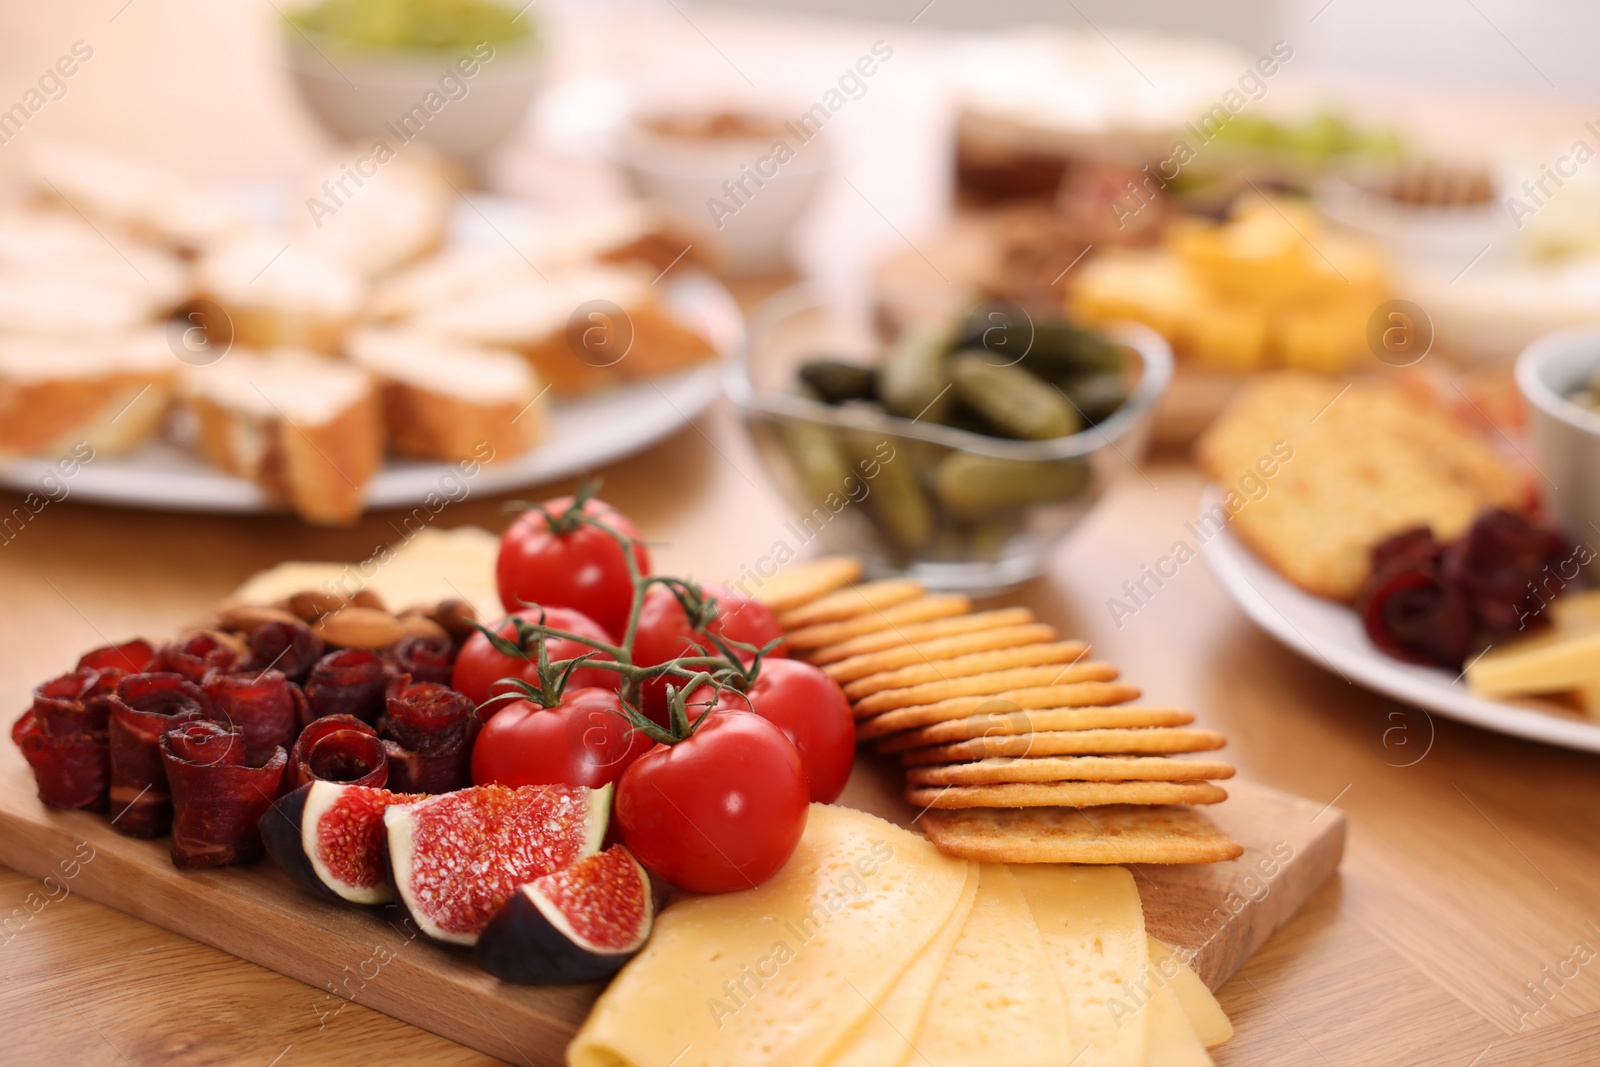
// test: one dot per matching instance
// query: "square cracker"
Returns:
(922, 609)
(943, 649)
(1044, 720)
(1347, 470)
(999, 769)
(1000, 658)
(1075, 695)
(911, 633)
(1113, 834)
(805, 582)
(1144, 741)
(1064, 794)
(851, 601)
(978, 685)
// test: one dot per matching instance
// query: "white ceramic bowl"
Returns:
(1566, 435)
(358, 94)
(753, 231)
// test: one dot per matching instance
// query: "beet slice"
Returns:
(218, 796)
(64, 738)
(144, 707)
(578, 924)
(337, 748)
(329, 837)
(289, 647)
(261, 704)
(428, 730)
(350, 681)
(423, 658)
(456, 859)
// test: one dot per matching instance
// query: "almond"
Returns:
(248, 618)
(358, 627)
(457, 617)
(366, 598)
(313, 604)
(421, 626)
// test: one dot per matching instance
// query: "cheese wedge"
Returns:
(783, 973)
(1093, 930)
(883, 1038)
(1210, 1022)
(1549, 663)
(998, 1001)
(1170, 1040)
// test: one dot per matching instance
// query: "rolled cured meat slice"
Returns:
(262, 704)
(428, 730)
(64, 739)
(337, 748)
(289, 647)
(143, 708)
(350, 681)
(218, 794)
(425, 659)
(201, 654)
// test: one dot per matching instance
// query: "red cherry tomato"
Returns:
(720, 811)
(664, 633)
(480, 666)
(584, 740)
(810, 709)
(582, 568)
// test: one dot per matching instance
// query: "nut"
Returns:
(313, 604)
(366, 598)
(421, 626)
(457, 618)
(358, 627)
(248, 618)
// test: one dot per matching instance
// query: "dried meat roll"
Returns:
(218, 794)
(64, 739)
(337, 748)
(285, 646)
(144, 707)
(350, 681)
(428, 730)
(425, 659)
(262, 704)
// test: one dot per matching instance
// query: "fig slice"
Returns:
(329, 837)
(456, 858)
(578, 924)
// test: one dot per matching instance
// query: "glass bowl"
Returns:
(954, 509)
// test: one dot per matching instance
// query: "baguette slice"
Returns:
(373, 209)
(283, 290)
(447, 400)
(107, 392)
(308, 430)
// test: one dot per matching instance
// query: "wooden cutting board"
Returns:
(373, 957)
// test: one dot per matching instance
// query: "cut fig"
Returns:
(455, 859)
(329, 837)
(578, 924)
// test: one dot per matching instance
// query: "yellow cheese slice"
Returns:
(998, 1001)
(1548, 663)
(1170, 1040)
(1093, 930)
(884, 1037)
(1210, 1022)
(1577, 613)
(785, 972)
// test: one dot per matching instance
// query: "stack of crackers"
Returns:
(1017, 747)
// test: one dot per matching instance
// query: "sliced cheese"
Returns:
(1093, 930)
(1170, 1040)
(785, 972)
(1205, 1015)
(1548, 663)
(998, 1001)
(884, 1037)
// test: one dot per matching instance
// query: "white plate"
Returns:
(585, 432)
(1331, 635)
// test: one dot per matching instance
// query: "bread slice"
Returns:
(582, 329)
(148, 201)
(1317, 475)
(282, 289)
(448, 400)
(59, 276)
(373, 209)
(107, 392)
(308, 430)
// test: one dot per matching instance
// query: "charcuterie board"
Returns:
(1223, 912)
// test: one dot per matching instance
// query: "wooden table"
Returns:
(1473, 859)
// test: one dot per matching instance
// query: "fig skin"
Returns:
(521, 945)
(281, 831)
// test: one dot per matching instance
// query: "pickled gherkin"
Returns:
(835, 381)
(1012, 401)
(820, 463)
(914, 381)
(975, 487)
(1097, 396)
(899, 508)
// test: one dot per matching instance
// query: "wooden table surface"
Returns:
(1462, 931)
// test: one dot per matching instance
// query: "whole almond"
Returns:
(248, 618)
(457, 618)
(421, 626)
(313, 604)
(357, 627)
(366, 598)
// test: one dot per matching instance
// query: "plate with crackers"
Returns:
(1345, 520)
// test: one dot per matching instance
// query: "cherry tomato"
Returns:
(584, 740)
(664, 633)
(810, 709)
(720, 811)
(480, 666)
(582, 568)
